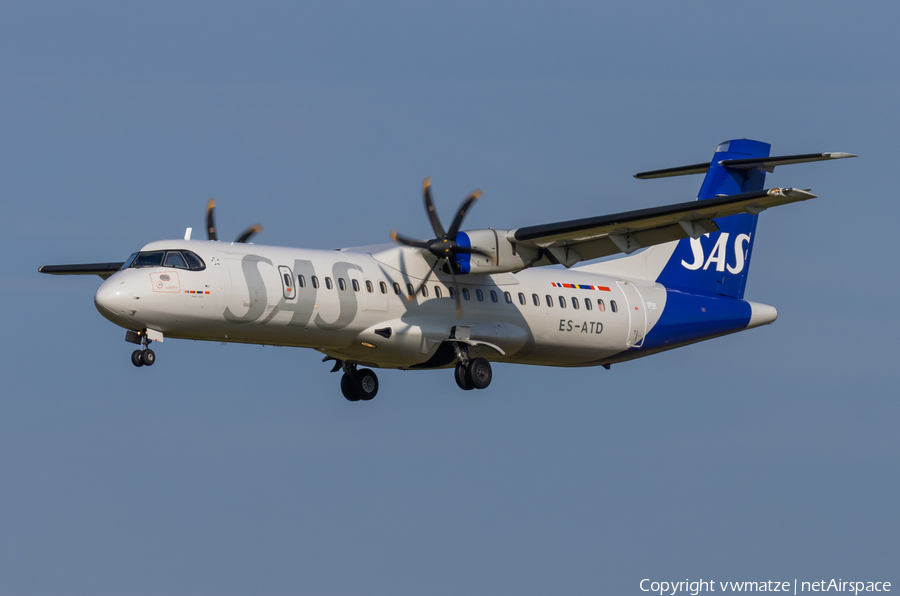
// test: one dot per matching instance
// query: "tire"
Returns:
(136, 358)
(148, 357)
(460, 375)
(478, 373)
(347, 388)
(366, 384)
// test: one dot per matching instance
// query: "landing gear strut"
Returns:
(145, 356)
(359, 384)
(471, 373)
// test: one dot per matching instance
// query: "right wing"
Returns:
(570, 242)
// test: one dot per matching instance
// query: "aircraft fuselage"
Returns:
(352, 305)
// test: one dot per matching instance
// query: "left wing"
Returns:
(569, 242)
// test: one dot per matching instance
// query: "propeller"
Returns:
(211, 225)
(443, 246)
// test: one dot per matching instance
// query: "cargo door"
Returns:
(637, 314)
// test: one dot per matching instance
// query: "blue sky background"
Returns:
(771, 454)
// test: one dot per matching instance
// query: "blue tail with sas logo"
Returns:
(718, 263)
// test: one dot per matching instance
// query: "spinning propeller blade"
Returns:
(210, 220)
(211, 225)
(443, 246)
(249, 233)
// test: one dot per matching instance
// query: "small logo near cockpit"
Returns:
(165, 282)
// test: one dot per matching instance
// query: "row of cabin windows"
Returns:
(588, 302)
(438, 293)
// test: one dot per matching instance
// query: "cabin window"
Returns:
(315, 281)
(521, 298)
(508, 297)
(587, 303)
(549, 299)
(328, 283)
(600, 306)
(342, 284)
(613, 306)
(437, 291)
(465, 293)
(355, 285)
(369, 287)
(493, 296)
(301, 281)
(452, 292)
(479, 294)
(562, 301)
(410, 290)
(287, 280)
(424, 291)
(574, 302)
(383, 287)
(535, 299)
(396, 288)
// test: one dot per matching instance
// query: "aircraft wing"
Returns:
(569, 242)
(104, 270)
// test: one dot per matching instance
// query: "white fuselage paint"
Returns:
(240, 297)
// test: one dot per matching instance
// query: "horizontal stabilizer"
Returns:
(697, 168)
(104, 270)
(767, 164)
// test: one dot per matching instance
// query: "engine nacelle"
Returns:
(507, 256)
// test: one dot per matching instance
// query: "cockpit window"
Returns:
(128, 261)
(195, 262)
(174, 259)
(179, 259)
(149, 259)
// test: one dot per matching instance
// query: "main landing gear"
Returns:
(471, 373)
(358, 384)
(144, 356)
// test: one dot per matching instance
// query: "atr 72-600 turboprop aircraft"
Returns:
(465, 299)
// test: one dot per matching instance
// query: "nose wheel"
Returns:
(145, 356)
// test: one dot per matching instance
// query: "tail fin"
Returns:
(718, 263)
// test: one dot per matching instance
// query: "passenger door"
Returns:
(287, 282)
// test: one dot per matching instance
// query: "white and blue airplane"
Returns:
(465, 299)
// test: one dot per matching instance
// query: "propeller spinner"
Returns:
(443, 246)
(211, 225)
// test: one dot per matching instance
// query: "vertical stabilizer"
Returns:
(718, 263)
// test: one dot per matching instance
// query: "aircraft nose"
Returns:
(113, 298)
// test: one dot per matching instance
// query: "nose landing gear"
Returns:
(144, 356)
